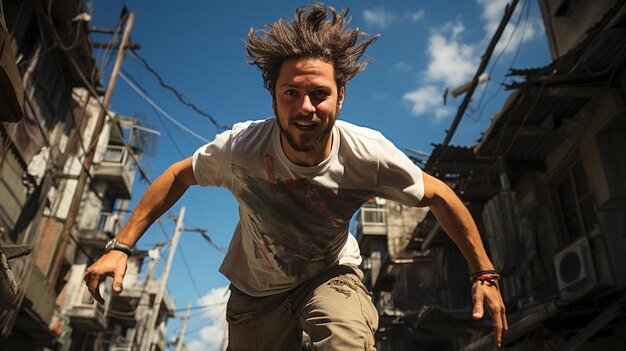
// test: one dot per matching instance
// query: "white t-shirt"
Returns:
(294, 220)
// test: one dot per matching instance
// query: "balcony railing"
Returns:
(84, 312)
(109, 222)
(118, 155)
(117, 168)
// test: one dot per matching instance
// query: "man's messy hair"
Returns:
(317, 31)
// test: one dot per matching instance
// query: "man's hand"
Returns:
(111, 264)
(485, 293)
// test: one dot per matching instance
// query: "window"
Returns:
(578, 207)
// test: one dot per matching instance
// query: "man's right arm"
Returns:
(157, 199)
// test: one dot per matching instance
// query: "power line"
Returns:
(178, 94)
(157, 113)
(167, 115)
(481, 68)
(517, 51)
(193, 281)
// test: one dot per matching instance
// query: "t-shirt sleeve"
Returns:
(212, 162)
(399, 179)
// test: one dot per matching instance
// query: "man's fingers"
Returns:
(118, 279)
(93, 282)
(477, 312)
(504, 327)
(498, 318)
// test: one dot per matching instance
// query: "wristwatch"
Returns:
(115, 245)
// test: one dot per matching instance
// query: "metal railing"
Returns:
(109, 222)
(117, 154)
(372, 215)
(80, 305)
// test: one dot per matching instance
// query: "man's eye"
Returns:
(320, 93)
(291, 93)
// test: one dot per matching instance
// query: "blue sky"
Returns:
(197, 47)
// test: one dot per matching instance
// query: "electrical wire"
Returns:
(158, 114)
(107, 53)
(495, 62)
(173, 140)
(539, 94)
(202, 326)
(167, 115)
(493, 96)
(178, 94)
(206, 237)
(56, 35)
(193, 281)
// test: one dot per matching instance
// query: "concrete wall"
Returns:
(401, 221)
(12, 191)
(565, 31)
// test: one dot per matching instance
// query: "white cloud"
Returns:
(452, 62)
(518, 30)
(211, 336)
(492, 13)
(402, 66)
(381, 18)
(417, 15)
(427, 99)
(378, 17)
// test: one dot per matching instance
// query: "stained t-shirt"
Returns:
(294, 220)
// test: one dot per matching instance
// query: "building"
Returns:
(42, 158)
(34, 152)
(546, 186)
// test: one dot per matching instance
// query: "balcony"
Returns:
(124, 308)
(117, 169)
(109, 223)
(95, 233)
(371, 222)
(84, 312)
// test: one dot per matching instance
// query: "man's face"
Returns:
(306, 102)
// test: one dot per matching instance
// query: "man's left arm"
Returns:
(456, 220)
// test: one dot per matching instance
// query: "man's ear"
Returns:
(341, 93)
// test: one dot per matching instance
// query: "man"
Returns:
(299, 177)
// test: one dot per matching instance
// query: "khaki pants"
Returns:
(334, 309)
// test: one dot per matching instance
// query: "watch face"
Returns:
(109, 245)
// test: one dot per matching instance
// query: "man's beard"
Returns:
(313, 144)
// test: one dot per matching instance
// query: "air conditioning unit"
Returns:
(574, 269)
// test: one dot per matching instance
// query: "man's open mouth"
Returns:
(305, 125)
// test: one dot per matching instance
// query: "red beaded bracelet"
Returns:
(489, 276)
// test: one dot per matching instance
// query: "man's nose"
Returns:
(307, 105)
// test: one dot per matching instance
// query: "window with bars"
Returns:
(577, 202)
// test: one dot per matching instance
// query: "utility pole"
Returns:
(151, 326)
(88, 160)
(138, 332)
(508, 12)
(181, 337)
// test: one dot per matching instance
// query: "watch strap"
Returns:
(113, 244)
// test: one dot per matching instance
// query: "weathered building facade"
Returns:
(546, 186)
(42, 157)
